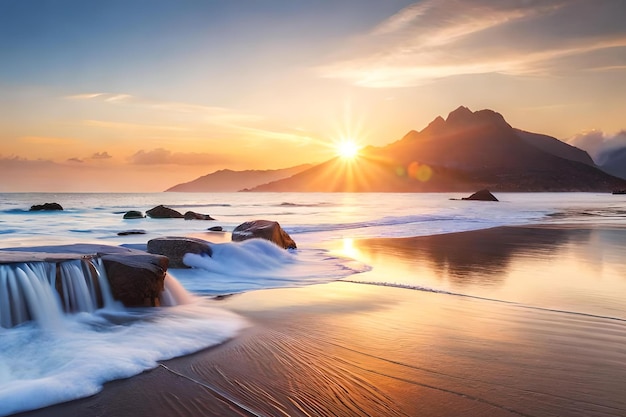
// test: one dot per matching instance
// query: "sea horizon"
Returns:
(343, 239)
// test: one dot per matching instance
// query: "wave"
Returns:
(92, 349)
(384, 221)
(236, 267)
(321, 204)
(15, 211)
(198, 205)
(608, 212)
(476, 297)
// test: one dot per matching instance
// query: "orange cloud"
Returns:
(162, 156)
(101, 155)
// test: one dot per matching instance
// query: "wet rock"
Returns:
(132, 232)
(162, 212)
(192, 215)
(46, 207)
(133, 214)
(263, 229)
(176, 247)
(482, 195)
(216, 229)
(136, 279)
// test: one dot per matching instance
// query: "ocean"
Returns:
(44, 363)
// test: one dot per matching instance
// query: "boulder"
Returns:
(136, 279)
(133, 214)
(176, 247)
(263, 229)
(162, 212)
(215, 229)
(46, 207)
(192, 215)
(482, 195)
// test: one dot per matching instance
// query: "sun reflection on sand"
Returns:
(547, 268)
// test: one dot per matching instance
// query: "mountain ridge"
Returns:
(466, 151)
(227, 180)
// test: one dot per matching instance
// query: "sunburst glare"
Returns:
(347, 148)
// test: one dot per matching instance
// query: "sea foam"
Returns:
(40, 366)
(256, 263)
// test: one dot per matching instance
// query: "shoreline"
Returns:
(349, 349)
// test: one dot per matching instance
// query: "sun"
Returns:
(347, 149)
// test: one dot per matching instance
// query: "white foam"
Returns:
(256, 263)
(40, 368)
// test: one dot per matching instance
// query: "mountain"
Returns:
(230, 181)
(614, 162)
(555, 147)
(464, 152)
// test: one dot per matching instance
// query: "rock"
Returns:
(133, 214)
(482, 195)
(46, 207)
(264, 229)
(192, 215)
(176, 247)
(132, 232)
(162, 212)
(136, 279)
(216, 229)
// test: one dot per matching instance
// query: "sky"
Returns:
(140, 95)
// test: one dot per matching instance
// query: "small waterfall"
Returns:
(174, 293)
(44, 291)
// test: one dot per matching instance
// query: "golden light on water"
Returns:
(349, 249)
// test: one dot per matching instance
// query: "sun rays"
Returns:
(347, 149)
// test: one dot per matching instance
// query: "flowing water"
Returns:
(55, 348)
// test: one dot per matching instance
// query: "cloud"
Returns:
(47, 141)
(39, 175)
(162, 156)
(213, 114)
(78, 160)
(132, 126)
(222, 122)
(598, 143)
(101, 155)
(85, 96)
(442, 38)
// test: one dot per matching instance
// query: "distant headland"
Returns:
(464, 152)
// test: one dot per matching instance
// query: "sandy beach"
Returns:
(511, 321)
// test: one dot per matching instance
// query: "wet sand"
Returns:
(493, 333)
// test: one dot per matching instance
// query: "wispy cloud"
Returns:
(441, 38)
(214, 114)
(198, 122)
(132, 126)
(85, 96)
(162, 156)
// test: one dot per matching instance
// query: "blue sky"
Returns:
(136, 87)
